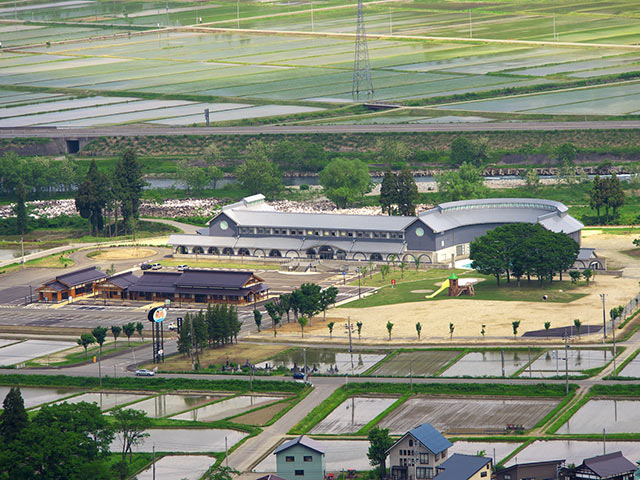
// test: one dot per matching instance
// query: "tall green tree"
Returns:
(462, 150)
(597, 195)
(345, 180)
(310, 304)
(274, 313)
(20, 211)
(462, 184)
(257, 318)
(130, 425)
(115, 331)
(139, 328)
(91, 198)
(128, 185)
(407, 193)
(379, 443)
(13, 418)
(85, 340)
(258, 174)
(615, 194)
(327, 297)
(388, 193)
(129, 329)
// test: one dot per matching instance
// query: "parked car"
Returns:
(298, 376)
(173, 327)
(156, 266)
(143, 372)
(182, 268)
(145, 266)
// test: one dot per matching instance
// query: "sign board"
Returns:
(393, 281)
(157, 315)
(167, 302)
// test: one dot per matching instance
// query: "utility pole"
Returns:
(470, 25)
(555, 38)
(312, 17)
(502, 359)
(191, 348)
(166, 9)
(153, 461)
(237, 13)
(304, 357)
(226, 452)
(390, 23)
(566, 365)
(604, 318)
(613, 335)
(349, 332)
(361, 66)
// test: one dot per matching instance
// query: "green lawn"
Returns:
(484, 290)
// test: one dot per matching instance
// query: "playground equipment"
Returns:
(455, 289)
(445, 284)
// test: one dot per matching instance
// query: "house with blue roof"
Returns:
(423, 453)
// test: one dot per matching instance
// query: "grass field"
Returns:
(294, 61)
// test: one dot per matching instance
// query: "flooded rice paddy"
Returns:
(178, 467)
(226, 408)
(325, 361)
(34, 396)
(184, 440)
(552, 362)
(353, 414)
(614, 416)
(496, 450)
(25, 351)
(106, 400)
(426, 363)
(467, 415)
(574, 451)
(164, 405)
(488, 364)
(632, 369)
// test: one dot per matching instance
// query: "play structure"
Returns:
(456, 288)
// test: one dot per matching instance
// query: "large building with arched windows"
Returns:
(253, 228)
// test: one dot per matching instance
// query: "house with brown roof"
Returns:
(612, 466)
(115, 287)
(546, 470)
(70, 285)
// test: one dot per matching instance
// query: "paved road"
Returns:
(130, 131)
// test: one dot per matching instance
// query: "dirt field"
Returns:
(126, 253)
(468, 415)
(468, 316)
(262, 416)
(611, 247)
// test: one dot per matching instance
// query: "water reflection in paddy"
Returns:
(552, 362)
(164, 405)
(487, 364)
(614, 416)
(226, 408)
(325, 361)
(353, 414)
(34, 396)
(106, 400)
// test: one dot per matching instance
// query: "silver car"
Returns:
(143, 372)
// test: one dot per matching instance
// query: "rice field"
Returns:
(353, 414)
(425, 363)
(290, 56)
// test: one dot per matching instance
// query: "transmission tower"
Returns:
(361, 68)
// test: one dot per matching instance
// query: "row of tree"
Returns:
(522, 249)
(70, 441)
(606, 193)
(99, 335)
(37, 175)
(113, 192)
(214, 327)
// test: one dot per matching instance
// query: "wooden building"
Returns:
(70, 285)
(115, 286)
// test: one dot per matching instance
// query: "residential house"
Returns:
(612, 466)
(417, 454)
(300, 459)
(548, 470)
(464, 467)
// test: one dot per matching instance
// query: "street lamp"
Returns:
(604, 318)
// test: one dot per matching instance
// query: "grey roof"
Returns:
(213, 278)
(271, 476)
(550, 214)
(429, 437)
(56, 285)
(327, 221)
(301, 440)
(187, 240)
(84, 275)
(532, 464)
(123, 280)
(609, 465)
(158, 282)
(586, 253)
(461, 467)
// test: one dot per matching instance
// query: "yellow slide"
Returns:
(445, 284)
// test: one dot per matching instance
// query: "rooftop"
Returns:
(78, 277)
(609, 465)
(123, 280)
(301, 440)
(429, 437)
(461, 467)
(214, 278)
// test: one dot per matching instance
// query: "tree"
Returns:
(464, 183)
(402, 265)
(547, 326)
(310, 300)
(13, 418)
(91, 198)
(115, 331)
(330, 326)
(577, 323)
(379, 443)
(193, 177)
(85, 340)
(258, 174)
(131, 426)
(222, 473)
(597, 195)
(257, 317)
(392, 152)
(285, 304)
(274, 313)
(139, 328)
(384, 270)
(451, 329)
(128, 185)
(587, 273)
(566, 153)
(532, 179)
(100, 335)
(388, 193)
(129, 329)
(302, 321)
(488, 254)
(418, 329)
(345, 180)
(359, 327)
(462, 151)
(575, 276)
(389, 328)
(515, 325)
(327, 297)
(184, 336)
(20, 211)
(615, 195)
